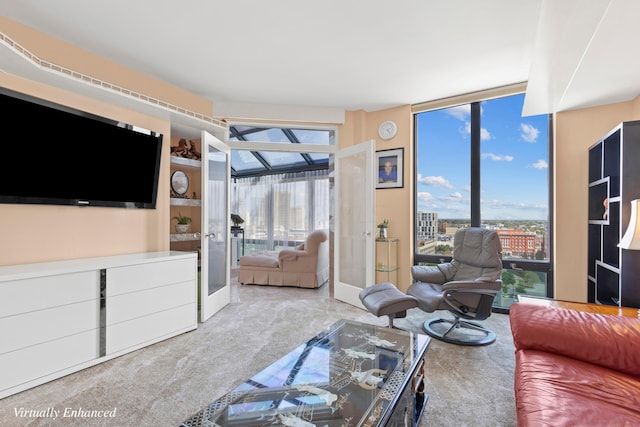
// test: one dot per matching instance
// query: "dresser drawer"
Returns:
(38, 293)
(121, 280)
(129, 306)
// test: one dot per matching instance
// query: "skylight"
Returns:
(250, 163)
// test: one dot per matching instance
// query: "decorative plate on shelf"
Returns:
(179, 183)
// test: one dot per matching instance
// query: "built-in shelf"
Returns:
(185, 163)
(175, 201)
(184, 237)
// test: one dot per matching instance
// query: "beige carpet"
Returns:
(166, 383)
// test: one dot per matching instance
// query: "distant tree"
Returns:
(539, 255)
(443, 249)
(508, 280)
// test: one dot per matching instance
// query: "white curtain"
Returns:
(281, 210)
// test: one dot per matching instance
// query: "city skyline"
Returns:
(514, 162)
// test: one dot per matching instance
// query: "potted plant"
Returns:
(382, 229)
(183, 223)
(237, 220)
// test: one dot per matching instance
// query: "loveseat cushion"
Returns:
(611, 342)
(259, 260)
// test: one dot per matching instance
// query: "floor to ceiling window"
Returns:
(483, 164)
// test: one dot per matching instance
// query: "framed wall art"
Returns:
(390, 165)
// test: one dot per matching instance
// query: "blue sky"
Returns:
(514, 164)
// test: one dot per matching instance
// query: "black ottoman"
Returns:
(384, 299)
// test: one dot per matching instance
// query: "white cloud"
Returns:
(485, 135)
(456, 196)
(434, 181)
(461, 112)
(497, 158)
(424, 196)
(529, 133)
(467, 188)
(541, 164)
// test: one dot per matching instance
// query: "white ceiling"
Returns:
(357, 54)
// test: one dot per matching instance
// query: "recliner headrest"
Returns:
(479, 247)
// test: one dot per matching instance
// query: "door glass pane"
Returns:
(514, 178)
(218, 219)
(321, 204)
(443, 178)
(352, 180)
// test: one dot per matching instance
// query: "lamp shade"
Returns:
(631, 238)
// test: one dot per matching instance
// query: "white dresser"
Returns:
(59, 317)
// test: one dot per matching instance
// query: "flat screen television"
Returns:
(53, 154)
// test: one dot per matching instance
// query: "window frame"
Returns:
(544, 266)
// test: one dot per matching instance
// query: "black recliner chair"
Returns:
(466, 287)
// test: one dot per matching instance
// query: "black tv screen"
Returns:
(52, 154)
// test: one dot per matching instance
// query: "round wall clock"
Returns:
(387, 129)
(179, 182)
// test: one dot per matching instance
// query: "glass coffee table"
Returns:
(352, 374)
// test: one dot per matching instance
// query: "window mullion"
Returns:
(475, 165)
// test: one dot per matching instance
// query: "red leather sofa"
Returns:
(575, 368)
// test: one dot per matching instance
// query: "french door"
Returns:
(214, 292)
(354, 217)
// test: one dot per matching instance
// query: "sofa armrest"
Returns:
(609, 341)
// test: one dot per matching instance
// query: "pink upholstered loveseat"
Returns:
(306, 266)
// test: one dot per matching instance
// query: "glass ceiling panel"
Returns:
(244, 161)
(267, 135)
(247, 163)
(319, 157)
(280, 159)
(312, 136)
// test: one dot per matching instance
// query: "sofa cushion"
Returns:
(555, 390)
(608, 341)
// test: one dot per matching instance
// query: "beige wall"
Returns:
(575, 132)
(36, 233)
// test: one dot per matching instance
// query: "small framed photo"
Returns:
(390, 165)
